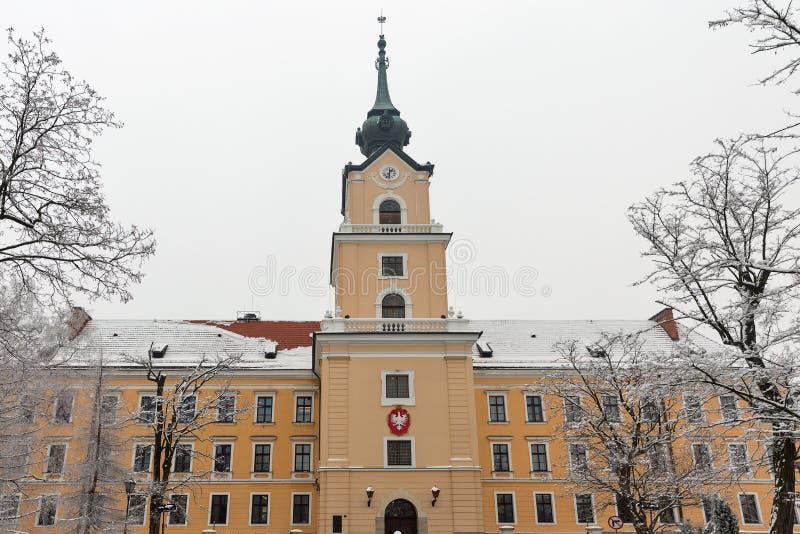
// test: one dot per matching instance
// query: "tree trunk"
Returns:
(159, 483)
(784, 452)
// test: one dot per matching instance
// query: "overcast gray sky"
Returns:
(545, 120)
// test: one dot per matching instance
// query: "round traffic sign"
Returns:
(616, 522)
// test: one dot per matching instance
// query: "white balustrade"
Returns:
(390, 326)
(391, 228)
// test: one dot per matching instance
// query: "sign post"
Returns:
(615, 522)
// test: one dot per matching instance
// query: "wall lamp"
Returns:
(370, 493)
(435, 492)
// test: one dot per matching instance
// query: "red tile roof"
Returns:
(288, 334)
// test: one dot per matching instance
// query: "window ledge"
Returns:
(498, 422)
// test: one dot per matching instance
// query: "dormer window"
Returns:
(393, 306)
(389, 212)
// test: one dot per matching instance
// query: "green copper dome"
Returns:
(383, 124)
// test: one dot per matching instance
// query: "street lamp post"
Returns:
(168, 507)
(130, 484)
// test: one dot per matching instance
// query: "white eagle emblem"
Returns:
(399, 419)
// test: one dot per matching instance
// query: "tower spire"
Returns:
(383, 124)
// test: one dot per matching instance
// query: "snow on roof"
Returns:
(120, 342)
(529, 344)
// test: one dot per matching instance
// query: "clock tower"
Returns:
(397, 444)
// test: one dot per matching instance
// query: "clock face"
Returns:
(389, 173)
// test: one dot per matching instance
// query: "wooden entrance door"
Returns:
(400, 515)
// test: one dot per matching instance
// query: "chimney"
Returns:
(667, 322)
(76, 321)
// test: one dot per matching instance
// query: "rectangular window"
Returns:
(578, 460)
(740, 465)
(177, 515)
(337, 524)
(302, 457)
(219, 510)
(611, 408)
(497, 409)
(301, 509)
(693, 408)
(186, 409)
(544, 508)
(137, 508)
(702, 456)
(398, 453)
(573, 413)
(56, 456)
(534, 408)
(397, 386)
(222, 458)
(505, 507)
(651, 412)
(141, 458)
(749, 506)
(500, 460)
(584, 508)
(264, 404)
(63, 410)
(302, 412)
(538, 457)
(668, 514)
(392, 266)
(708, 506)
(147, 408)
(657, 454)
(48, 507)
(262, 458)
(183, 458)
(624, 506)
(9, 507)
(27, 408)
(259, 509)
(108, 409)
(226, 408)
(728, 407)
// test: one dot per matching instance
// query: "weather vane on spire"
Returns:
(381, 20)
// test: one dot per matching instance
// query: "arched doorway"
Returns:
(400, 515)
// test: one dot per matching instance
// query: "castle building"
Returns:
(393, 413)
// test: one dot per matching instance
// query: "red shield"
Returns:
(399, 420)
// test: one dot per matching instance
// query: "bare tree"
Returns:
(622, 422)
(724, 248)
(56, 236)
(184, 402)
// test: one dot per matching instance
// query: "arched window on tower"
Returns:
(389, 212)
(393, 306)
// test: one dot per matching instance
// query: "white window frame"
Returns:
(513, 504)
(489, 395)
(703, 506)
(63, 460)
(117, 405)
(572, 467)
(133, 457)
(211, 508)
(392, 401)
(701, 409)
(16, 514)
(185, 512)
(291, 507)
(269, 506)
(382, 255)
(262, 474)
(294, 406)
(255, 407)
(722, 408)
(139, 409)
(180, 411)
(741, 509)
(387, 291)
(707, 446)
(748, 464)
(191, 460)
(71, 408)
(214, 444)
(578, 407)
(144, 512)
(376, 207)
(294, 456)
(544, 412)
(39, 510)
(546, 451)
(510, 461)
(552, 505)
(387, 439)
(575, 506)
(229, 393)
